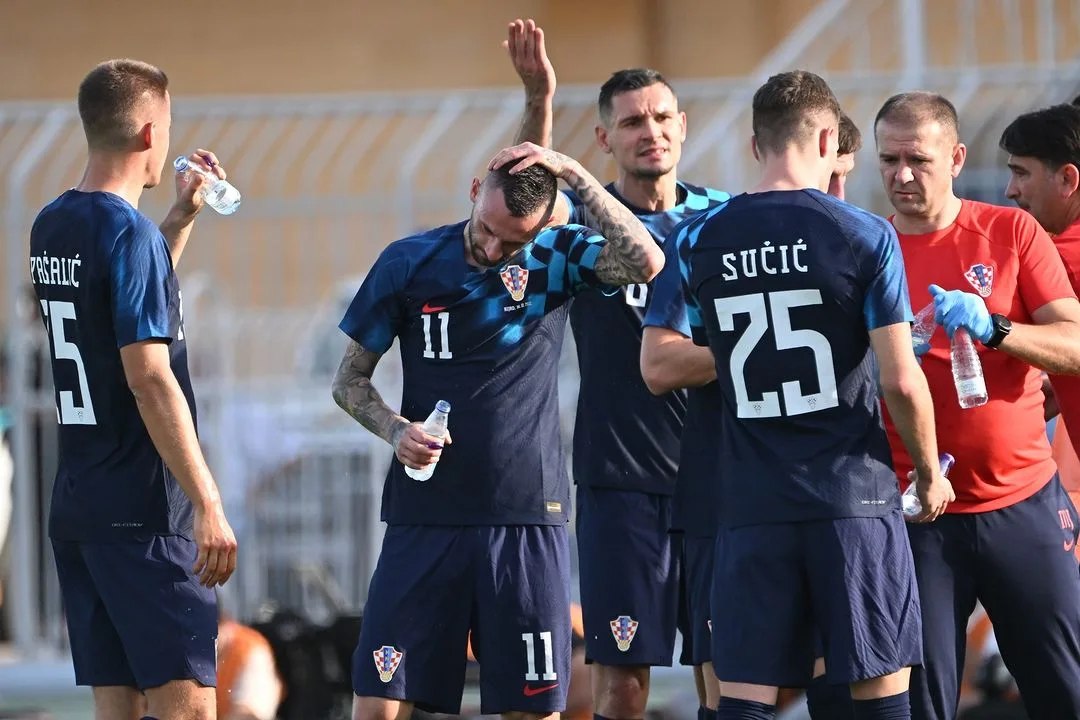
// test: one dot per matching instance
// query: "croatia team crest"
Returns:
(981, 278)
(515, 278)
(387, 660)
(624, 628)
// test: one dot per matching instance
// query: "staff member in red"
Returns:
(1044, 162)
(1005, 540)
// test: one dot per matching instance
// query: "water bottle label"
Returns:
(972, 387)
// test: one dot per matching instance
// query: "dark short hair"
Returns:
(108, 97)
(849, 137)
(914, 108)
(525, 192)
(627, 80)
(1051, 135)
(783, 108)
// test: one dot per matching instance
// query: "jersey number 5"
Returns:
(779, 307)
(67, 412)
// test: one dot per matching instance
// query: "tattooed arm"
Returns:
(355, 394)
(525, 45)
(630, 254)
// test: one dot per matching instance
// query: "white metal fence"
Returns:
(328, 181)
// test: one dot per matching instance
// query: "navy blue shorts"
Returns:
(136, 615)
(509, 586)
(697, 570)
(629, 568)
(1019, 562)
(777, 586)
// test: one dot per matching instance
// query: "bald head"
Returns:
(911, 110)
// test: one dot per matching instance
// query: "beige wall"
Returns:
(323, 46)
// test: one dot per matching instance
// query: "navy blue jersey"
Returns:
(697, 483)
(103, 274)
(487, 340)
(624, 436)
(784, 287)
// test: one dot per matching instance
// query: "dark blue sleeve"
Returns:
(375, 316)
(668, 306)
(139, 271)
(573, 251)
(684, 242)
(886, 301)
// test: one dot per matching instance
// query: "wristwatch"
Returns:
(1002, 327)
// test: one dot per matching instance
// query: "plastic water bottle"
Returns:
(924, 326)
(967, 371)
(435, 425)
(219, 194)
(909, 501)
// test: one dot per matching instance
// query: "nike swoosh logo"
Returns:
(529, 691)
(429, 309)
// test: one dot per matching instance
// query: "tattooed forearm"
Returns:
(630, 255)
(536, 123)
(354, 393)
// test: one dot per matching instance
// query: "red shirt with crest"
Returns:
(1001, 450)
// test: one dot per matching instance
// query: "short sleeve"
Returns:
(886, 301)
(667, 309)
(684, 244)
(375, 315)
(140, 267)
(577, 249)
(1042, 277)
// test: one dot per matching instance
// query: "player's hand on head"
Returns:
(525, 45)
(188, 184)
(527, 154)
(934, 493)
(216, 544)
(954, 309)
(416, 449)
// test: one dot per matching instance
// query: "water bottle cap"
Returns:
(442, 406)
(180, 164)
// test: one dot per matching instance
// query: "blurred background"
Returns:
(349, 124)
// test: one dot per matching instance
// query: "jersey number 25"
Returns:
(779, 308)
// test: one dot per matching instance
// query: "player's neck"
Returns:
(655, 194)
(930, 222)
(788, 172)
(116, 174)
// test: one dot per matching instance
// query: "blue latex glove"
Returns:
(955, 309)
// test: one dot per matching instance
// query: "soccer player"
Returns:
(479, 308)
(670, 360)
(626, 440)
(791, 289)
(1008, 538)
(1044, 162)
(136, 520)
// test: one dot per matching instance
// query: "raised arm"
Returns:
(354, 393)
(525, 45)
(630, 254)
(176, 227)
